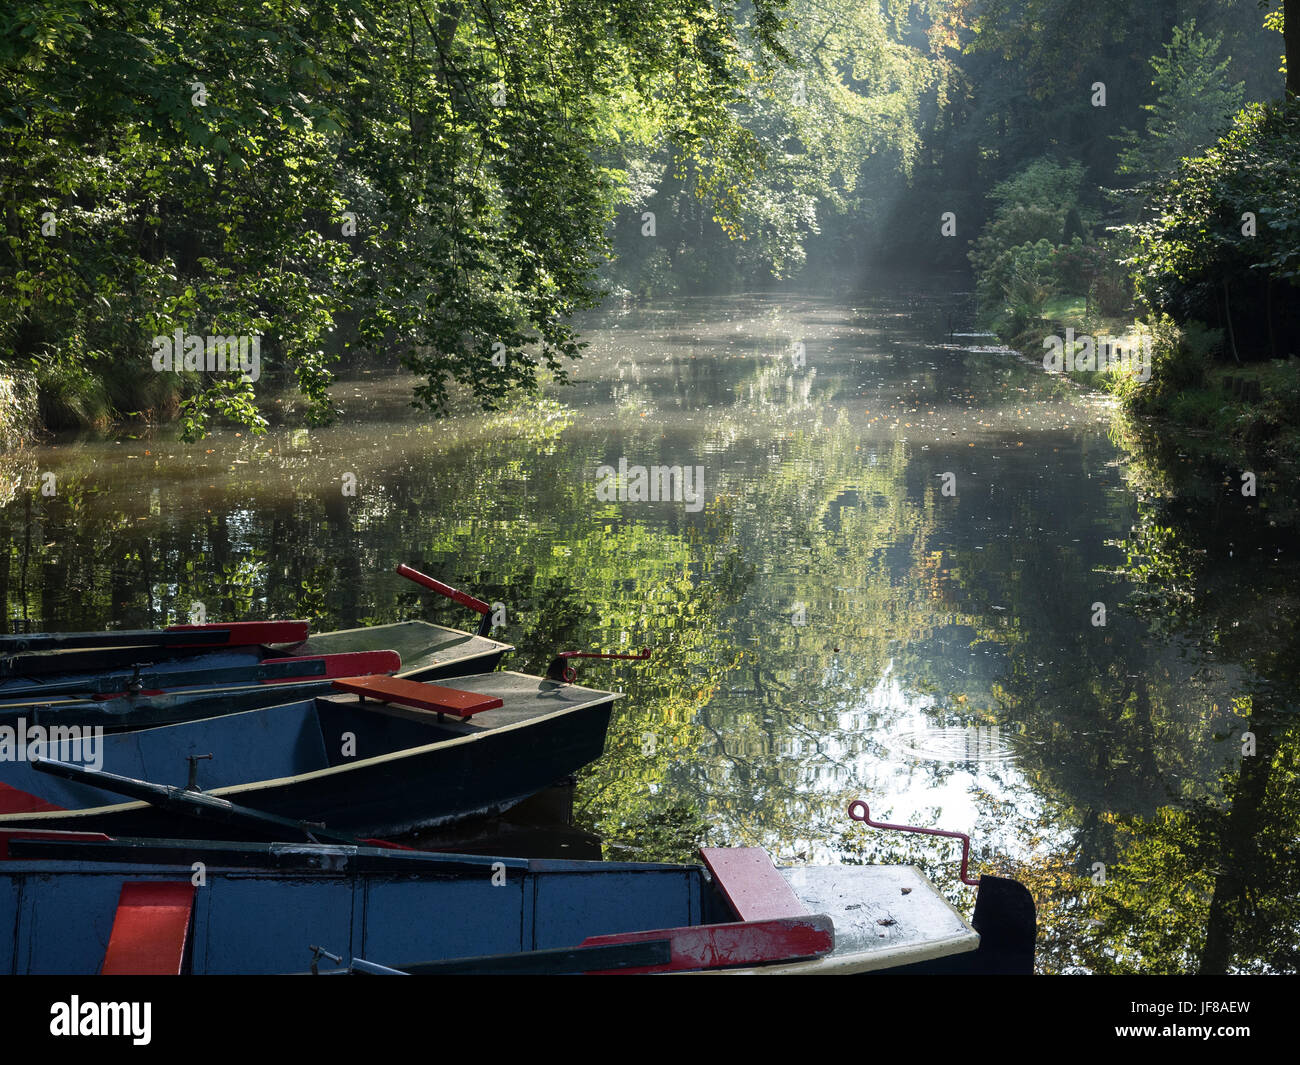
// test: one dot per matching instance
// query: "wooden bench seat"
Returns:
(751, 883)
(418, 696)
(150, 928)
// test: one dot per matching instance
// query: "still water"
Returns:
(922, 573)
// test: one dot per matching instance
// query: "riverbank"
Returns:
(1228, 409)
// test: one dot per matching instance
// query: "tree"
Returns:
(1291, 38)
(1286, 18)
(846, 116)
(421, 176)
(1217, 243)
(1193, 105)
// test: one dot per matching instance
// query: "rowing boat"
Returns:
(378, 756)
(141, 673)
(168, 906)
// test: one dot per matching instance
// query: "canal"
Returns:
(898, 563)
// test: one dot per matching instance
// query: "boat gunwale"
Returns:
(288, 648)
(425, 862)
(278, 650)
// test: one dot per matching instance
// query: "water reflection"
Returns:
(890, 594)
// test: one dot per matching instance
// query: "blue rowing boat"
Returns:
(168, 906)
(378, 756)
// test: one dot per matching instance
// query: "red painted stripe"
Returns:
(746, 943)
(150, 929)
(344, 664)
(386, 844)
(249, 633)
(751, 883)
(7, 835)
(16, 801)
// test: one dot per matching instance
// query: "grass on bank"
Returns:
(1251, 404)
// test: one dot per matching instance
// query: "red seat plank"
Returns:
(418, 695)
(150, 929)
(343, 664)
(751, 883)
(713, 946)
(249, 633)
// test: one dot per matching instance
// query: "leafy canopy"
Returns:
(420, 176)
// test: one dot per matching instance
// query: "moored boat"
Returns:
(378, 756)
(142, 673)
(276, 908)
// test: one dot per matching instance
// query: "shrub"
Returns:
(1193, 259)
(1015, 258)
(1110, 293)
(1179, 358)
(1030, 283)
(1076, 264)
(69, 394)
(1012, 227)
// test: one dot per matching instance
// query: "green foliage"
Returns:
(1191, 247)
(1076, 265)
(1178, 363)
(1194, 103)
(18, 413)
(1030, 281)
(1009, 228)
(1111, 289)
(847, 114)
(204, 164)
(1020, 259)
(1045, 183)
(1032, 206)
(232, 400)
(69, 394)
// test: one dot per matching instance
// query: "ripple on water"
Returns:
(985, 744)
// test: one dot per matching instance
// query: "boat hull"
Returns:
(399, 910)
(262, 906)
(314, 763)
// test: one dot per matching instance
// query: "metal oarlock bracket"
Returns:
(194, 760)
(320, 952)
(865, 818)
(560, 670)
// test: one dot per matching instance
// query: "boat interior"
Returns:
(290, 739)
